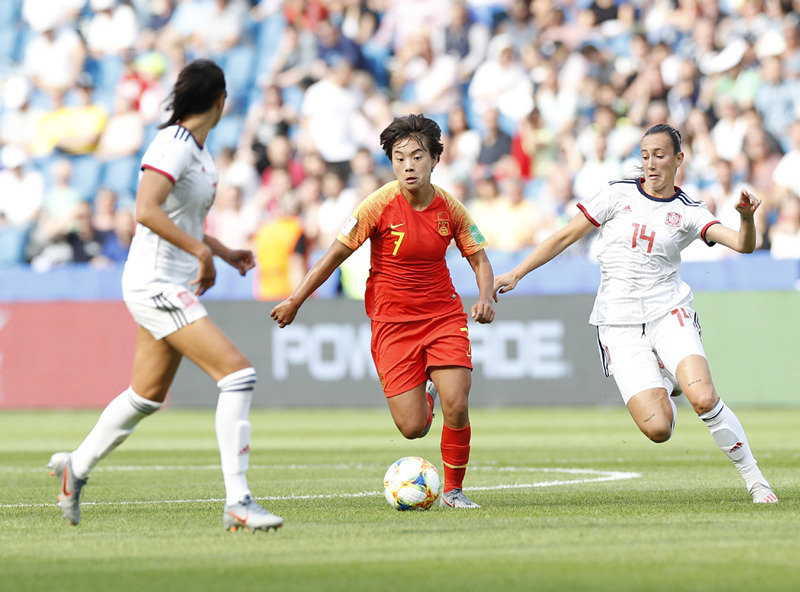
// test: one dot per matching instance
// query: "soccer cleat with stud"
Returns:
(247, 514)
(763, 494)
(69, 498)
(431, 394)
(455, 498)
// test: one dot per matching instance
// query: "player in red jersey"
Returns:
(419, 328)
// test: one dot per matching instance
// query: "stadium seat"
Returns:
(225, 134)
(10, 12)
(121, 175)
(239, 63)
(13, 240)
(268, 35)
(85, 175)
(8, 42)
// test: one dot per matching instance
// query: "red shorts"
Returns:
(403, 352)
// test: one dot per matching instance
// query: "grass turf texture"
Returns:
(152, 510)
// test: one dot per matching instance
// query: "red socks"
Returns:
(455, 455)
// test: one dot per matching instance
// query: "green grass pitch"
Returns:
(573, 499)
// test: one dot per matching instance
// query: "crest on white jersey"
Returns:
(673, 219)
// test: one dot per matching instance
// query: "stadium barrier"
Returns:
(539, 351)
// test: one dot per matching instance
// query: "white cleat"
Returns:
(763, 494)
(455, 498)
(249, 515)
(69, 497)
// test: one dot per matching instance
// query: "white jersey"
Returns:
(640, 244)
(153, 260)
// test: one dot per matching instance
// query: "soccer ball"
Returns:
(411, 483)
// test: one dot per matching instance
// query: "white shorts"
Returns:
(164, 312)
(633, 354)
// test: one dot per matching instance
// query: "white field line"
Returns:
(595, 476)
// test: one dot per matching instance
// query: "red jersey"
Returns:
(408, 278)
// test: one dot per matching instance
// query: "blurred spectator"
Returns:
(231, 220)
(19, 120)
(361, 165)
(281, 251)
(787, 172)
(355, 270)
(699, 148)
(57, 215)
(501, 83)
(405, 18)
(332, 46)
(123, 134)
(141, 82)
(533, 146)
(21, 188)
(266, 120)
(112, 30)
(426, 82)
(222, 28)
(757, 167)
(85, 240)
(294, 61)
(72, 129)
(334, 208)
(55, 56)
(596, 171)
(557, 78)
(784, 236)
(82, 243)
(239, 169)
(464, 143)
(777, 99)
(206, 27)
(330, 118)
(519, 26)
(280, 156)
(791, 39)
(376, 111)
(118, 241)
(495, 143)
(358, 20)
(485, 208)
(729, 130)
(105, 209)
(520, 218)
(464, 38)
(558, 105)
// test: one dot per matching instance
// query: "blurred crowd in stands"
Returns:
(541, 103)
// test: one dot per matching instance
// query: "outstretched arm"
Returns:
(483, 310)
(743, 241)
(552, 246)
(284, 313)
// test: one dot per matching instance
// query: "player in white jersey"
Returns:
(648, 333)
(170, 264)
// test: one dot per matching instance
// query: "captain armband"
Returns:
(349, 224)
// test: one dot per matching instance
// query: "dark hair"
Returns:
(663, 128)
(425, 131)
(200, 83)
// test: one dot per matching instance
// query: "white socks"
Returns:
(119, 419)
(729, 435)
(233, 431)
(116, 422)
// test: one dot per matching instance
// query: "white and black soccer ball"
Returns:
(411, 483)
